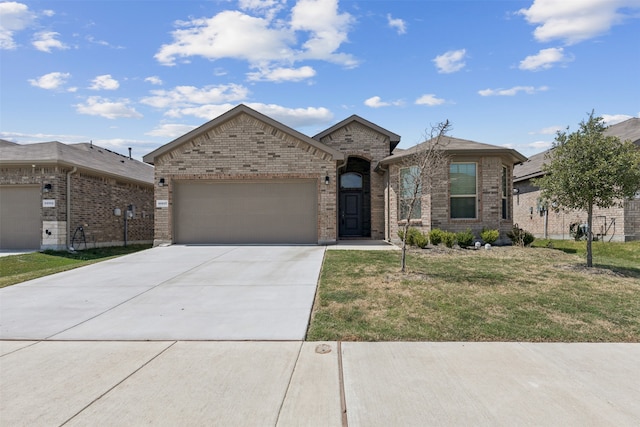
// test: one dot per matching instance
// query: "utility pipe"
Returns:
(71, 172)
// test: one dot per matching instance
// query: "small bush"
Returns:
(465, 238)
(415, 237)
(435, 236)
(489, 236)
(520, 237)
(449, 238)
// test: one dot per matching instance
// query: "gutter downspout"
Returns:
(71, 172)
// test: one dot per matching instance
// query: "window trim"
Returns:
(460, 196)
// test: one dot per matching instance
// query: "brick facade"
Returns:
(435, 201)
(245, 148)
(93, 200)
(617, 223)
(358, 140)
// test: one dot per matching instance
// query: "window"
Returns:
(505, 187)
(463, 190)
(351, 180)
(408, 180)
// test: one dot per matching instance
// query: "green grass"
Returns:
(506, 294)
(19, 268)
(614, 255)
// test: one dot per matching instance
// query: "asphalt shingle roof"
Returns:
(84, 156)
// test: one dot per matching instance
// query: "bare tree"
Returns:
(417, 173)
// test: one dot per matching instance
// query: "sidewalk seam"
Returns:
(118, 383)
(343, 398)
(286, 393)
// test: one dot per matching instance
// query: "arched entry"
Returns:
(354, 208)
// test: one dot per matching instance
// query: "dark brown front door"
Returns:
(351, 214)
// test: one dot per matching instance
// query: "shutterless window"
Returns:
(351, 180)
(505, 187)
(408, 180)
(463, 190)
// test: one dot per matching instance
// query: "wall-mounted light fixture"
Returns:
(47, 188)
(161, 182)
(326, 180)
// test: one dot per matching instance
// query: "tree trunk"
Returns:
(589, 234)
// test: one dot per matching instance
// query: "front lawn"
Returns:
(20, 268)
(504, 294)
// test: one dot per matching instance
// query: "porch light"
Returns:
(326, 180)
(47, 188)
(161, 182)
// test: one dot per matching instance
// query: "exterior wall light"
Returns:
(161, 182)
(326, 180)
(47, 188)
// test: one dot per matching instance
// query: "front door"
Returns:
(351, 214)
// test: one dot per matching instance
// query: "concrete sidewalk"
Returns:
(314, 384)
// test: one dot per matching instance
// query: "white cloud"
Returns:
(104, 82)
(264, 41)
(14, 17)
(51, 81)
(451, 61)
(398, 24)
(544, 59)
(377, 102)
(551, 130)
(98, 106)
(612, 119)
(268, 8)
(293, 117)
(540, 145)
(530, 90)
(154, 80)
(430, 100)
(574, 21)
(44, 41)
(190, 96)
(171, 130)
(283, 74)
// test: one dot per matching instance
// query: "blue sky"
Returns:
(140, 73)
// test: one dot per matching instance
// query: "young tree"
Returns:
(587, 168)
(416, 176)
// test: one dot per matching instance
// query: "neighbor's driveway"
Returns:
(174, 292)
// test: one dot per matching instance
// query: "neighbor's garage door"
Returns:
(245, 212)
(19, 217)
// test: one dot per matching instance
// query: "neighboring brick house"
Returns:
(246, 178)
(617, 223)
(57, 196)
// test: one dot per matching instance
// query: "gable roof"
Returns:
(84, 156)
(456, 146)
(627, 130)
(231, 114)
(393, 137)
(532, 168)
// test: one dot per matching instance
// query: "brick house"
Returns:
(246, 178)
(56, 196)
(617, 223)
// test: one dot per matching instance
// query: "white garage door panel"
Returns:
(245, 212)
(20, 218)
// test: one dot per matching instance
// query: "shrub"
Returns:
(465, 238)
(489, 236)
(520, 237)
(415, 237)
(449, 238)
(435, 236)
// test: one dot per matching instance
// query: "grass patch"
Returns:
(20, 268)
(611, 255)
(506, 294)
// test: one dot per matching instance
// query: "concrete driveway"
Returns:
(168, 293)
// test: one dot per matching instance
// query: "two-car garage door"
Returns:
(239, 212)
